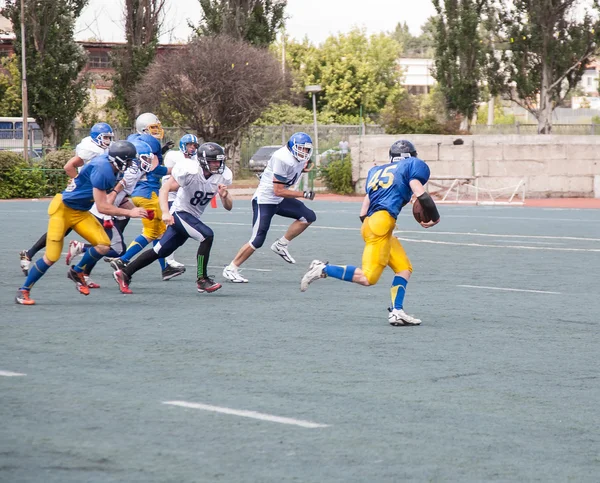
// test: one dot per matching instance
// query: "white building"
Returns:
(417, 76)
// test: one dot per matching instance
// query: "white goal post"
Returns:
(466, 190)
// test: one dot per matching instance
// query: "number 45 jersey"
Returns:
(195, 190)
(388, 185)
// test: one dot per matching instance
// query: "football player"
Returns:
(276, 195)
(70, 209)
(196, 183)
(389, 188)
(101, 135)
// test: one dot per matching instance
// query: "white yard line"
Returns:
(247, 414)
(509, 289)
(11, 374)
(241, 268)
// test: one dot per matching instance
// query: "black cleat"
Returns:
(208, 285)
(171, 272)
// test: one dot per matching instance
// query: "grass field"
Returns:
(500, 383)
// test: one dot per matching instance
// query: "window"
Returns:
(99, 60)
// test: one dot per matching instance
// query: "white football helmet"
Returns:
(148, 123)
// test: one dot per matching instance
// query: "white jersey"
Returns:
(130, 178)
(170, 160)
(195, 190)
(87, 150)
(281, 167)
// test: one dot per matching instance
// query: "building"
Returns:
(417, 78)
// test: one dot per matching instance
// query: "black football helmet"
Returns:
(212, 157)
(122, 154)
(402, 149)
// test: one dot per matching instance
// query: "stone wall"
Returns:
(552, 166)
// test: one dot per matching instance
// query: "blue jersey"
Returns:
(150, 182)
(98, 173)
(388, 185)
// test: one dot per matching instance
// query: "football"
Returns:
(419, 213)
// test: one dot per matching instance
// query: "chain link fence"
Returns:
(518, 128)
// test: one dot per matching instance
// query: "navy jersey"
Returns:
(388, 185)
(149, 182)
(98, 173)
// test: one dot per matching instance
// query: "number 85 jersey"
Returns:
(388, 185)
(195, 190)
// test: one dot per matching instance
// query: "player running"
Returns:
(196, 184)
(389, 188)
(276, 195)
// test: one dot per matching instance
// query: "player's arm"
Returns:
(107, 208)
(364, 209)
(426, 202)
(225, 196)
(163, 199)
(72, 165)
(281, 189)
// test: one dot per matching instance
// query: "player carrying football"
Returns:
(389, 188)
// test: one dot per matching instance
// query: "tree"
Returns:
(416, 46)
(216, 86)
(255, 21)
(56, 89)
(143, 20)
(545, 53)
(460, 54)
(10, 87)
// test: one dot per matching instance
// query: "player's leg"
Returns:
(170, 260)
(262, 215)
(27, 255)
(57, 225)
(141, 241)
(402, 268)
(304, 216)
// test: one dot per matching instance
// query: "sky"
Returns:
(316, 19)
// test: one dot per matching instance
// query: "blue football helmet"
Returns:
(152, 142)
(300, 145)
(102, 134)
(144, 155)
(188, 139)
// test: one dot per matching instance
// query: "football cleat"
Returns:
(175, 264)
(316, 270)
(172, 272)
(233, 275)
(398, 317)
(117, 264)
(90, 282)
(25, 262)
(123, 280)
(208, 285)
(282, 251)
(23, 298)
(79, 280)
(75, 249)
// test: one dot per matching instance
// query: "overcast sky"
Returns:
(317, 19)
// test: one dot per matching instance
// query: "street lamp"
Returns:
(313, 92)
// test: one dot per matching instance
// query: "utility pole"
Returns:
(24, 86)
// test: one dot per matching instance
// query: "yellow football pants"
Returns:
(382, 248)
(62, 218)
(151, 229)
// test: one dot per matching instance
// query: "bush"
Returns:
(337, 176)
(22, 182)
(57, 159)
(10, 159)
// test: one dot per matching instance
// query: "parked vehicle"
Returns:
(258, 162)
(11, 133)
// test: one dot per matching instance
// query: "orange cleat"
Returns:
(79, 280)
(23, 298)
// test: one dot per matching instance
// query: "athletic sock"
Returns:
(145, 259)
(162, 261)
(37, 246)
(202, 257)
(398, 291)
(134, 248)
(37, 270)
(88, 262)
(341, 272)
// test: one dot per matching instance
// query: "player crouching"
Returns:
(196, 183)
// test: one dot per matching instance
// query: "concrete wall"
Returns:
(552, 166)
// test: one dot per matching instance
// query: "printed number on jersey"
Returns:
(201, 198)
(382, 178)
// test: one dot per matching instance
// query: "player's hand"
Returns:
(138, 213)
(429, 224)
(223, 191)
(168, 219)
(309, 195)
(168, 145)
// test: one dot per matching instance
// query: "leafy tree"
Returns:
(545, 53)
(499, 116)
(416, 46)
(142, 27)
(287, 113)
(10, 87)
(255, 21)
(56, 89)
(460, 54)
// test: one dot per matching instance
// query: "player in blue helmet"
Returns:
(101, 135)
(188, 145)
(389, 188)
(277, 195)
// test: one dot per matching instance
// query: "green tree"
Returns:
(416, 46)
(460, 54)
(254, 21)
(10, 87)
(545, 52)
(56, 89)
(142, 27)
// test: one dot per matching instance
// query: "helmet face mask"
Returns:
(402, 149)
(102, 134)
(144, 156)
(300, 144)
(211, 157)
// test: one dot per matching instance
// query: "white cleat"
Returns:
(398, 317)
(175, 264)
(282, 251)
(75, 249)
(316, 270)
(233, 275)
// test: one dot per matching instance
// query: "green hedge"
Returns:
(337, 176)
